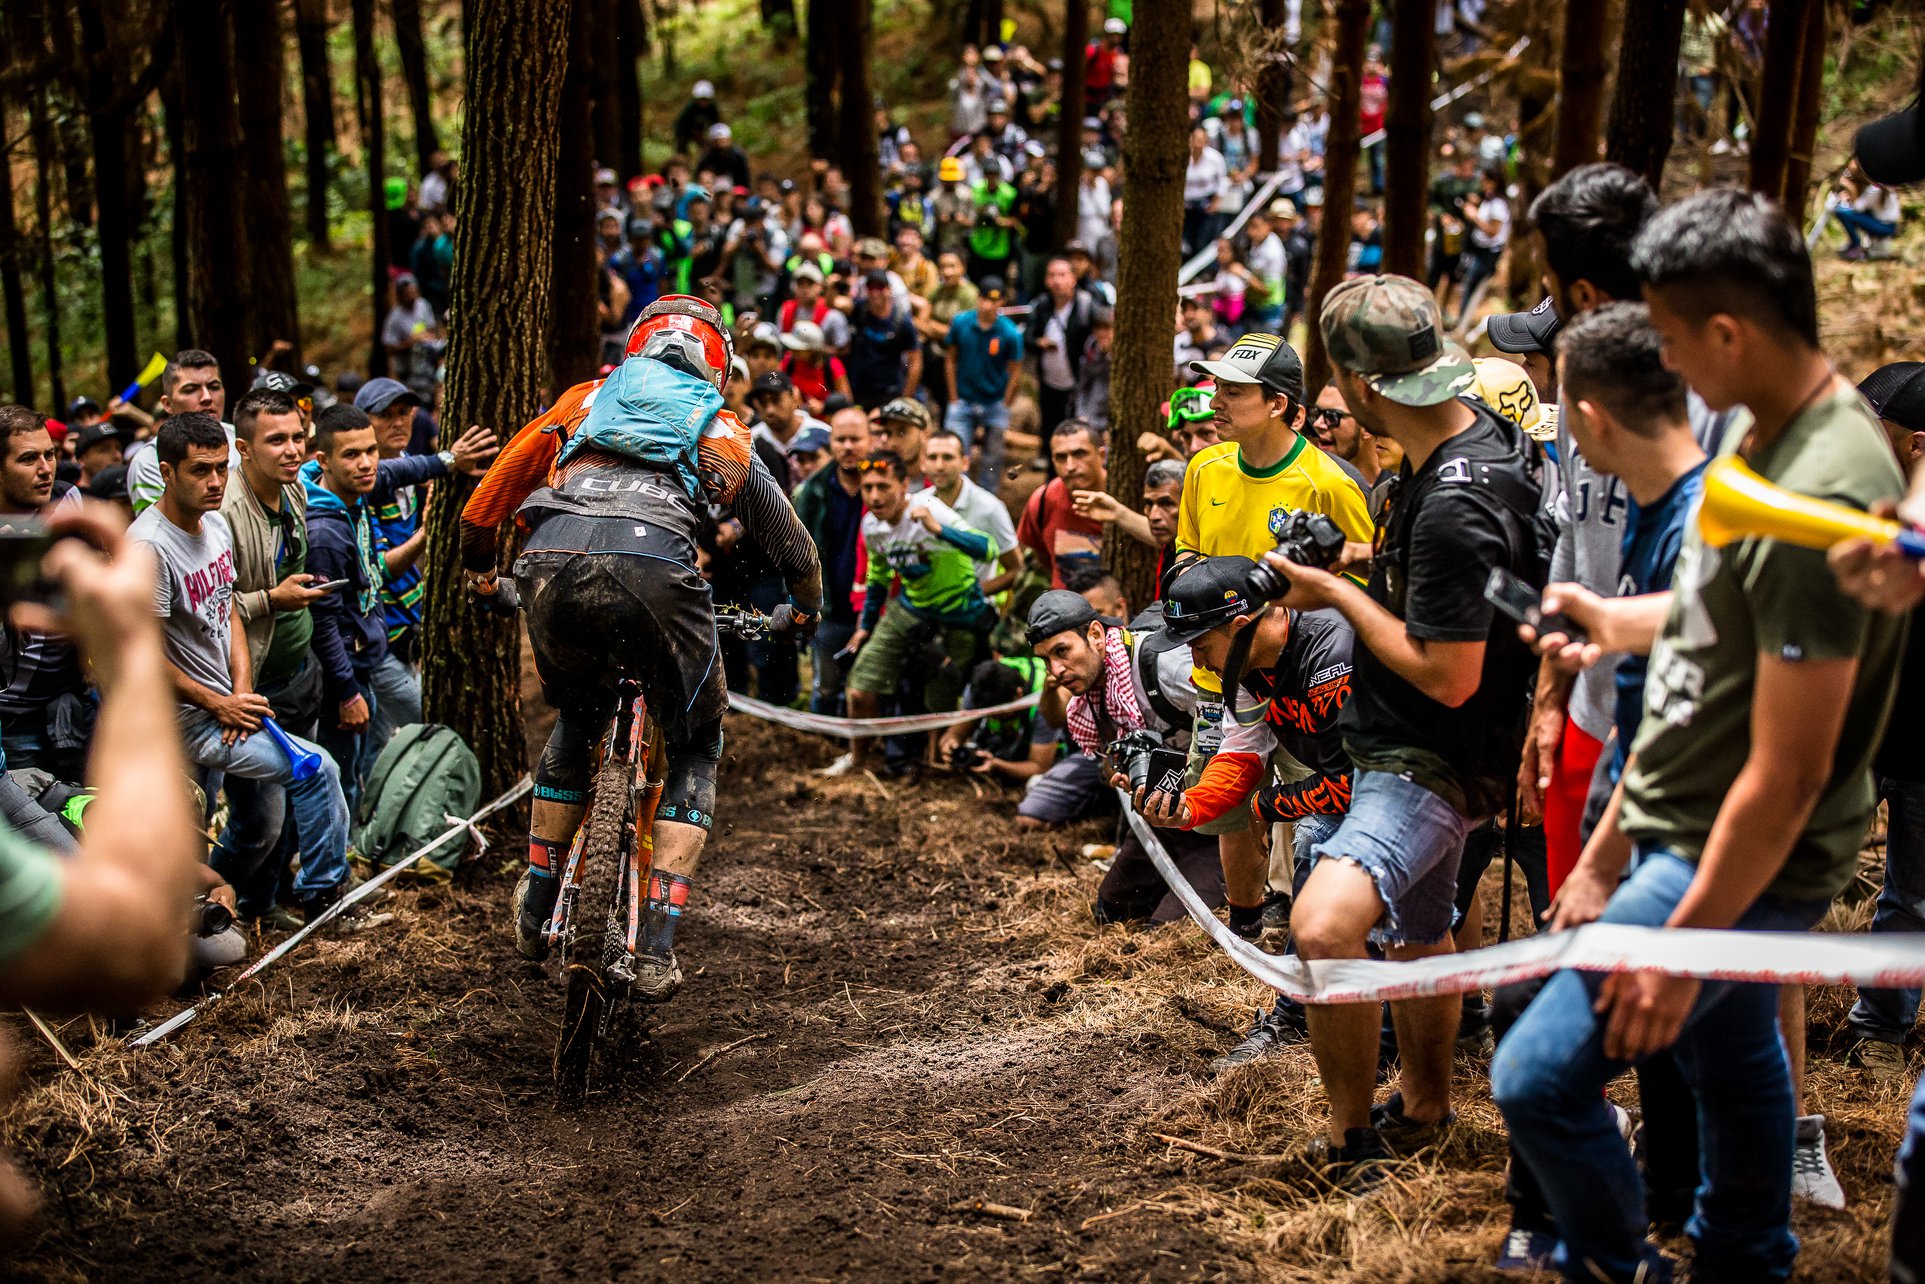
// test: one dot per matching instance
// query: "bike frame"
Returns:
(634, 734)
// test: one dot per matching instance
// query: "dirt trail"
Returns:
(931, 1021)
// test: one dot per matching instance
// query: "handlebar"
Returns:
(749, 625)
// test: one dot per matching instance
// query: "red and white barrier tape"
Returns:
(1887, 959)
(846, 728)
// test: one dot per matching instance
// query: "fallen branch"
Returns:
(727, 1047)
(988, 1209)
(1232, 1156)
(46, 1032)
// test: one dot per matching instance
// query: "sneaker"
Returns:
(840, 767)
(534, 904)
(1272, 1031)
(1628, 1128)
(1526, 1251)
(1402, 1133)
(355, 918)
(1721, 148)
(280, 918)
(1811, 1175)
(1881, 249)
(1276, 911)
(1355, 1167)
(657, 978)
(1884, 1061)
(1474, 1027)
(1099, 854)
(1852, 253)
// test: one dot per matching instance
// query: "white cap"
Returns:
(703, 89)
(605, 177)
(720, 133)
(805, 336)
(1114, 26)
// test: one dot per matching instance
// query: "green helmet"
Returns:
(1189, 406)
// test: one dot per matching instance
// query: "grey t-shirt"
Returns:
(193, 594)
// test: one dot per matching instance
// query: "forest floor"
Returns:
(897, 1007)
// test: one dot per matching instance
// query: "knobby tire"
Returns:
(584, 938)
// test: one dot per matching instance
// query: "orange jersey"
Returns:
(723, 457)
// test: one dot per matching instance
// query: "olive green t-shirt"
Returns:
(1761, 597)
(30, 884)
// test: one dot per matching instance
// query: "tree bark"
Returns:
(1778, 105)
(1804, 127)
(605, 86)
(374, 141)
(1155, 154)
(574, 336)
(406, 15)
(1642, 111)
(68, 129)
(173, 116)
(822, 61)
(1069, 125)
(1407, 124)
(12, 291)
(778, 19)
(116, 195)
(860, 148)
(260, 75)
(515, 58)
(317, 106)
(629, 44)
(1352, 24)
(1273, 87)
(211, 173)
(1581, 72)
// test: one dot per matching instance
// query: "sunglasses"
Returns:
(881, 466)
(1330, 418)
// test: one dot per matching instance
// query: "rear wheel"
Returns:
(598, 896)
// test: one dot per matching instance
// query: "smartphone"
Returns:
(1166, 771)
(1524, 604)
(331, 585)
(24, 541)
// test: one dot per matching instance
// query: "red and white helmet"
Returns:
(688, 333)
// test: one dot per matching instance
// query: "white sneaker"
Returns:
(1721, 148)
(1811, 1175)
(1627, 1127)
(840, 767)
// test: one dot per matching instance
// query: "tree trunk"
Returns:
(822, 59)
(211, 171)
(260, 64)
(778, 19)
(1352, 21)
(173, 116)
(116, 196)
(1642, 111)
(574, 336)
(1407, 121)
(629, 44)
(406, 15)
(374, 141)
(317, 106)
(1069, 125)
(1804, 127)
(1581, 71)
(1273, 86)
(515, 59)
(605, 84)
(67, 123)
(40, 127)
(860, 148)
(12, 291)
(1149, 252)
(1778, 105)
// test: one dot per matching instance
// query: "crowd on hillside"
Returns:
(1350, 737)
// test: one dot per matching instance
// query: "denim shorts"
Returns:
(1409, 841)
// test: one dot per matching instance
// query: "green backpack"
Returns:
(425, 775)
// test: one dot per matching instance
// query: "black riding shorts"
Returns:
(607, 599)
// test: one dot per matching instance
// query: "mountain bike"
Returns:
(598, 912)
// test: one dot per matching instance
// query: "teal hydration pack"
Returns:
(652, 412)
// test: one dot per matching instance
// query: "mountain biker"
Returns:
(611, 485)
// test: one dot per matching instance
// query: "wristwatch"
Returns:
(447, 458)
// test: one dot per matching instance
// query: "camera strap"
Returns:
(1233, 667)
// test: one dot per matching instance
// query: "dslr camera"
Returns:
(965, 757)
(1306, 538)
(1142, 759)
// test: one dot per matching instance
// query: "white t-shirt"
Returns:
(1053, 362)
(1266, 260)
(1204, 177)
(1494, 207)
(1290, 153)
(1879, 202)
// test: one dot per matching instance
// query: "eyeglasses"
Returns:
(1330, 418)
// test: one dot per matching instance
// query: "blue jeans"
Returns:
(320, 808)
(963, 418)
(1857, 223)
(1908, 1213)
(397, 704)
(348, 749)
(1549, 1075)
(1888, 1015)
(829, 677)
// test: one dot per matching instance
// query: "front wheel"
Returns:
(597, 896)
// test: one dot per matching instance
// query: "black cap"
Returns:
(1891, 150)
(82, 406)
(1896, 392)
(1261, 359)
(109, 483)
(1059, 611)
(771, 383)
(876, 279)
(92, 435)
(281, 381)
(1209, 595)
(990, 287)
(1519, 333)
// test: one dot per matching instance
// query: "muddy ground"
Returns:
(896, 1009)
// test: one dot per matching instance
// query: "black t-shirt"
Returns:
(877, 346)
(1902, 755)
(1468, 509)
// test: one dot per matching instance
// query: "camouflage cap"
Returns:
(1388, 329)
(906, 410)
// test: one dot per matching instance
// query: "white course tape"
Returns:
(1887, 959)
(456, 825)
(846, 728)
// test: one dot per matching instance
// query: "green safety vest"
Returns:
(988, 240)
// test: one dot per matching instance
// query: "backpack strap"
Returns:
(1148, 649)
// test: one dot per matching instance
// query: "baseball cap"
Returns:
(1059, 611)
(876, 279)
(1114, 26)
(1897, 393)
(906, 409)
(1388, 329)
(807, 336)
(813, 438)
(109, 483)
(720, 133)
(806, 272)
(1891, 150)
(993, 53)
(771, 383)
(82, 406)
(1076, 247)
(1208, 595)
(950, 170)
(1092, 122)
(281, 381)
(1283, 211)
(1094, 158)
(989, 288)
(92, 435)
(1524, 332)
(765, 335)
(405, 278)
(703, 89)
(377, 395)
(872, 247)
(605, 177)
(1261, 359)
(1505, 387)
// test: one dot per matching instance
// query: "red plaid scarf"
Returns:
(1117, 696)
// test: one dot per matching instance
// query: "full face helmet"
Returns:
(685, 332)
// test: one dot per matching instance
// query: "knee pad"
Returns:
(688, 795)
(562, 774)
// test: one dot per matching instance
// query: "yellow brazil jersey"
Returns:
(1229, 508)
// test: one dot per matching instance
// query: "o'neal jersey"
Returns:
(1229, 508)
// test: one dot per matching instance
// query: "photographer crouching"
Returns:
(1435, 723)
(1130, 696)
